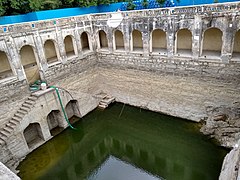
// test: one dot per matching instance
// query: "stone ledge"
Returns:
(6, 173)
(42, 92)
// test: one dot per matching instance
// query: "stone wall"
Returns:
(202, 84)
(80, 87)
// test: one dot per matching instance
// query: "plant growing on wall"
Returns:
(131, 5)
(145, 3)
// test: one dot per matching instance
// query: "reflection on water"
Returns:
(160, 145)
(116, 169)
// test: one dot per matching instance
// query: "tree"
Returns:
(145, 3)
(131, 5)
(161, 2)
(2, 8)
(87, 3)
(18, 7)
(51, 4)
(103, 2)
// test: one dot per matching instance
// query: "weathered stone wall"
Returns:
(231, 164)
(80, 87)
(12, 95)
(201, 84)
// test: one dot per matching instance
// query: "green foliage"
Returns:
(51, 4)
(161, 2)
(215, 1)
(35, 5)
(18, 7)
(2, 8)
(14, 7)
(131, 5)
(87, 3)
(145, 3)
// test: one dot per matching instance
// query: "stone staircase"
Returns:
(106, 101)
(6, 131)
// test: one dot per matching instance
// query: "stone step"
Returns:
(30, 102)
(103, 103)
(16, 119)
(8, 129)
(2, 142)
(27, 105)
(4, 133)
(108, 100)
(21, 111)
(102, 106)
(14, 122)
(33, 98)
(4, 138)
(25, 108)
(20, 116)
(11, 125)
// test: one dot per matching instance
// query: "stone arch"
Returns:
(72, 109)
(5, 67)
(103, 42)
(137, 41)
(119, 40)
(158, 41)
(212, 43)
(183, 42)
(236, 46)
(54, 120)
(33, 135)
(70, 49)
(85, 41)
(29, 63)
(51, 54)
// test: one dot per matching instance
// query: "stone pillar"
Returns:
(196, 37)
(170, 38)
(127, 37)
(41, 54)
(15, 58)
(228, 40)
(78, 41)
(45, 129)
(61, 46)
(110, 39)
(145, 37)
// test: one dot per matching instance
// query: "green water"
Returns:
(161, 146)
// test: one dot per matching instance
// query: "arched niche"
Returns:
(103, 42)
(69, 46)
(212, 43)
(137, 42)
(236, 46)
(50, 52)
(33, 135)
(72, 109)
(5, 68)
(29, 63)
(55, 122)
(85, 42)
(184, 42)
(159, 44)
(119, 40)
